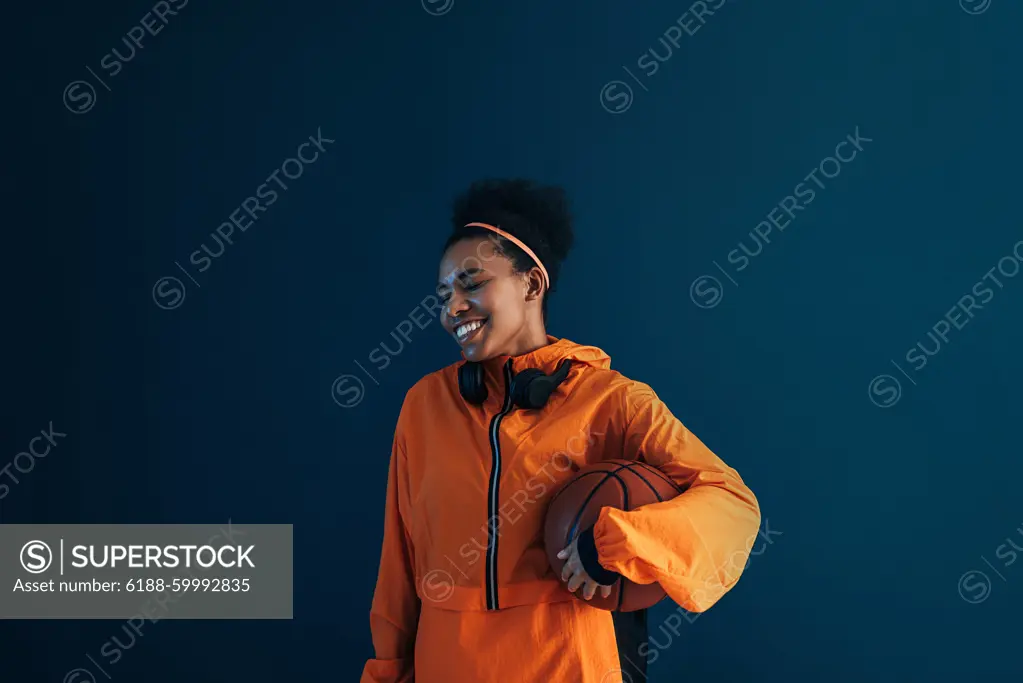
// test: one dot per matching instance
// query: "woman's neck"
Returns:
(531, 339)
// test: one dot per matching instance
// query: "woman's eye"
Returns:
(473, 287)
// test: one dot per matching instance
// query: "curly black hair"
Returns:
(538, 215)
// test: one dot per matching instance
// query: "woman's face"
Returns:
(485, 301)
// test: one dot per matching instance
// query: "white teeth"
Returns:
(465, 330)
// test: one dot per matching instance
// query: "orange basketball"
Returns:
(621, 484)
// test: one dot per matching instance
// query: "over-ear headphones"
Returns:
(530, 389)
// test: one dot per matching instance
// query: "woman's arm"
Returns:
(695, 545)
(394, 616)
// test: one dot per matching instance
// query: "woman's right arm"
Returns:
(394, 616)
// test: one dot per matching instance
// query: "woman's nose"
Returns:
(455, 306)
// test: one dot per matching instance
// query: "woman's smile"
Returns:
(469, 330)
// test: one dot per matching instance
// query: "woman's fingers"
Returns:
(573, 574)
(575, 577)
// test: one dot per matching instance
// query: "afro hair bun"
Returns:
(538, 215)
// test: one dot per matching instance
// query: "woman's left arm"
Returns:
(695, 545)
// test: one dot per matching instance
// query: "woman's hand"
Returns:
(576, 576)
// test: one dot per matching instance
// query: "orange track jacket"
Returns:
(465, 593)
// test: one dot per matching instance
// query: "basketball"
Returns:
(621, 484)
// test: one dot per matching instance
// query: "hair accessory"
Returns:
(518, 243)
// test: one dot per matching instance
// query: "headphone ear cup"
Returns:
(538, 391)
(470, 383)
(531, 388)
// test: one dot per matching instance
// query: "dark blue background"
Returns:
(223, 407)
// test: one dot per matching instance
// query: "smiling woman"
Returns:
(491, 283)
(465, 591)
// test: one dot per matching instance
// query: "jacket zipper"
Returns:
(494, 490)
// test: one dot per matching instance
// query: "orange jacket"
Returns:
(466, 493)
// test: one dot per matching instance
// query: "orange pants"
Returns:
(545, 643)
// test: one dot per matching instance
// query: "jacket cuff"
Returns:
(587, 548)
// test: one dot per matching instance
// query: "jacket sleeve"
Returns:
(695, 545)
(394, 615)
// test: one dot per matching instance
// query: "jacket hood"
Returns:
(547, 358)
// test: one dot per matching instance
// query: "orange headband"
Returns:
(518, 243)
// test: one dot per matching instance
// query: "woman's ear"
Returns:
(534, 284)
